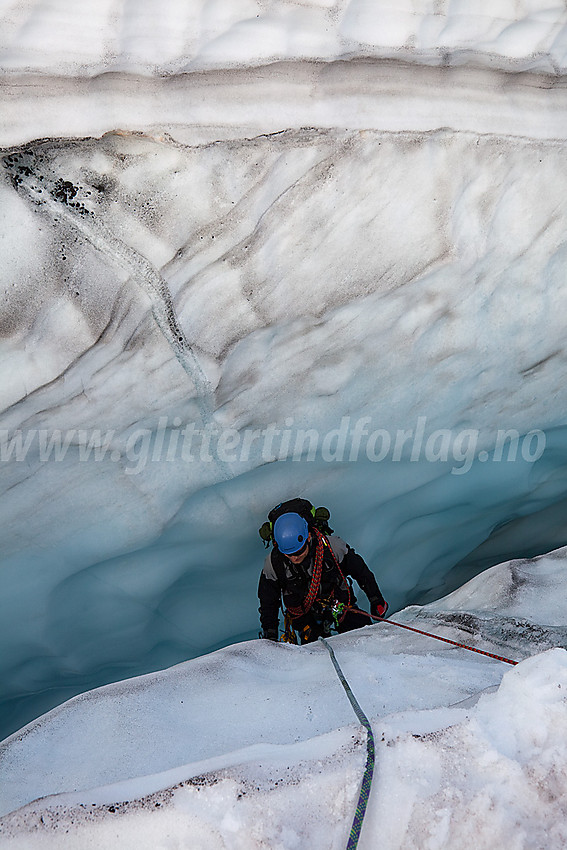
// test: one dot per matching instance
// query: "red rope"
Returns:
(437, 637)
(315, 580)
(322, 543)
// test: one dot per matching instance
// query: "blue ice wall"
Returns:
(424, 527)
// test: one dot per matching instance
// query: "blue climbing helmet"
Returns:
(290, 533)
(314, 517)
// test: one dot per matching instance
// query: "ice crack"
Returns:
(66, 200)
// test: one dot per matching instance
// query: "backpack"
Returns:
(315, 518)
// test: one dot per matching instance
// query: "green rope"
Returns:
(370, 752)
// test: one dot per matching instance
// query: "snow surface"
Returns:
(256, 744)
(151, 37)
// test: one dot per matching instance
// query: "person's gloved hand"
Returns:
(270, 634)
(378, 607)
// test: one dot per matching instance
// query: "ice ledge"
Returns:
(356, 95)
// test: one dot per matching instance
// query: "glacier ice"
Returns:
(201, 225)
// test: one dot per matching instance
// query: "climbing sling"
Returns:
(315, 579)
(322, 544)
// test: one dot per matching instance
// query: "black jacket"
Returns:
(280, 579)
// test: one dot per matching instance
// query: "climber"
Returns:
(308, 569)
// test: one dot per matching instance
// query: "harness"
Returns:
(339, 609)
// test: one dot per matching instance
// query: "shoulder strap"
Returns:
(278, 565)
(327, 544)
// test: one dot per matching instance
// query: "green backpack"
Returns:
(315, 518)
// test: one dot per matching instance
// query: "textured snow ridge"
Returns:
(152, 37)
(256, 745)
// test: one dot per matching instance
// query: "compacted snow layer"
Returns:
(153, 37)
(256, 745)
(208, 69)
(245, 102)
